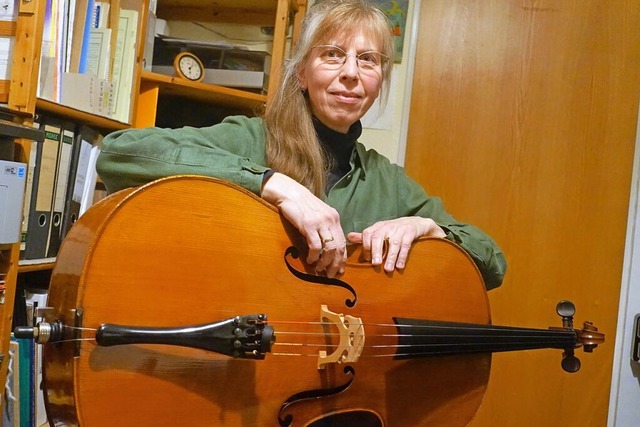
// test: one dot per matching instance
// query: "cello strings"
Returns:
(79, 328)
(509, 333)
(542, 338)
(456, 327)
(521, 337)
(429, 349)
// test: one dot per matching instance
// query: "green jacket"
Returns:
(234, 150)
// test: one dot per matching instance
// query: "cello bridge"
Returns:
(351, 343)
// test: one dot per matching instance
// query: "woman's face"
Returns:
(341, 94)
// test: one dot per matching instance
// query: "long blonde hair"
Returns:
(292, 144)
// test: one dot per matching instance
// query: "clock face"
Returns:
(190, 67)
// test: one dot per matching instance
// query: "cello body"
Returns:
(190, 250)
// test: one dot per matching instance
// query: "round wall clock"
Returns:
(188, 66)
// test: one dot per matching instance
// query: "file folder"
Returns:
(77, 175)
(67, 133)
(42, 194)
(26, 209)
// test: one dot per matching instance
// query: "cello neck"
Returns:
(422, 338)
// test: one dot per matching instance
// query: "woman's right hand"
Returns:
(318, 222)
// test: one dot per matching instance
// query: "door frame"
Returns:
(625, 380)
(408, 86)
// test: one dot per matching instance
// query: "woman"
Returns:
(303, 155)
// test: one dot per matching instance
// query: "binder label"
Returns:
(19, 171)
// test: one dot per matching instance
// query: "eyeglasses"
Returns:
(334, 58)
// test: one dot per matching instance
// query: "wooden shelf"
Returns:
(36, 265)
(249, 12)
(234, 98)
(13, 130)
(167, 85)
(73, 114)
(279, 14)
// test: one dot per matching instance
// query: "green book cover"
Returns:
(26, 369)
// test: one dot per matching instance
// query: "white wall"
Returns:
(391, 139)
(624, 405)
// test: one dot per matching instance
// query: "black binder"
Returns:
(37, 240)
(77, 176)
(67, 133)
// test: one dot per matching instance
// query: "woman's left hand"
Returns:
(400, 233)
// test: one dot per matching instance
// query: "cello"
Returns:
(187, 302)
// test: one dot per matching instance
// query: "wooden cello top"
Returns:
(188, 250)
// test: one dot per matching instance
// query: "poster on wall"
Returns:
(8, 10)
(396, 10)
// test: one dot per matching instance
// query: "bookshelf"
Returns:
(280, 14)
(19, 94)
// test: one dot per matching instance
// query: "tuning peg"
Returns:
(570, 363)
(566, 310)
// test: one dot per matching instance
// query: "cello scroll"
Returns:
(588, 337)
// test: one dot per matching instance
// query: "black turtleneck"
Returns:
(339, 146)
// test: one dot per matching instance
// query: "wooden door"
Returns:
(525, 126)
